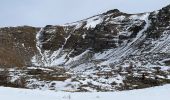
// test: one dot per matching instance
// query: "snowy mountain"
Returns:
(106, 52)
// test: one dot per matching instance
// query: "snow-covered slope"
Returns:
(156, 93)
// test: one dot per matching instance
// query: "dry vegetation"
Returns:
(17, 45)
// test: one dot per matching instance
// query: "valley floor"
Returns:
(155, 93)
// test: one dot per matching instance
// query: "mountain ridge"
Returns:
(105, 52)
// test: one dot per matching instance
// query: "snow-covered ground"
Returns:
(156, 93)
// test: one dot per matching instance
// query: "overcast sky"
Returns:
(43, 12)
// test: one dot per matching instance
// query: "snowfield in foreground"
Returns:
(156, 93)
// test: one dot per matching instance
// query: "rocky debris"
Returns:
(105, 79)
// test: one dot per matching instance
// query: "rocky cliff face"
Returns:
(91, 37)
(106, 38)
(110, 51)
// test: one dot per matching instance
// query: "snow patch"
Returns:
(92, 22)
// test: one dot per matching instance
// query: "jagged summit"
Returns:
(167, 7)
(113, 11)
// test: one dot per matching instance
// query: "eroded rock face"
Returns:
(110, 30)
(159, 22)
